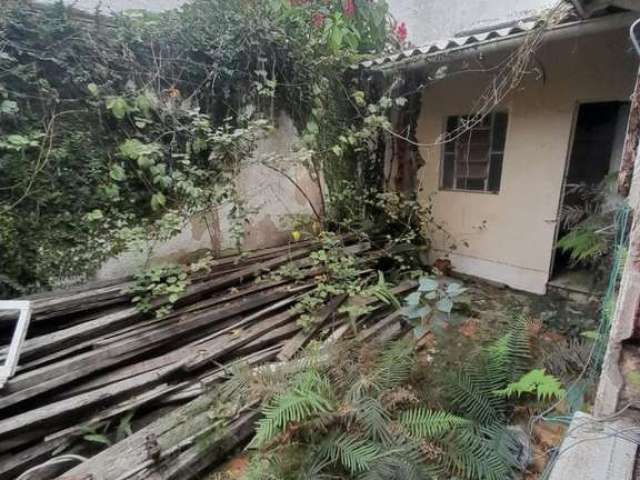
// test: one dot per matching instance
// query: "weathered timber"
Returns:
(294, 345)
(50, 414)
(38, 381)
(131, 456)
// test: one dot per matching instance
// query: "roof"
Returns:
(451, 43)
(444, 47)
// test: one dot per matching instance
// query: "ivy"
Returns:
(156, 283)
(115, 131)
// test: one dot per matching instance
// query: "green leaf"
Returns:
(94, 215)
(9, 107)
(359, 98)
(158, 200)
(413, 299)
(145, 161)
(312, 127)
(144, 104)
(93, 89)
(427, 284)
(118, 107)
(445, 305)
(97, 438)
(591, 335)
(18, 140)
(117, 173)
(455, 289)
(537, 382)
(131, 148)
(422, 423)
(414, 312)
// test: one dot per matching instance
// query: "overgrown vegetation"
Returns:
(116, 131)
(354, 411)
(589, 216)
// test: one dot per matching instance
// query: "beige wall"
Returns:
(515, 245)
(270, 197)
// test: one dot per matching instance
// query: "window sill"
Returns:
(459, 190)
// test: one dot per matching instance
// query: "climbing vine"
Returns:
(115, 131)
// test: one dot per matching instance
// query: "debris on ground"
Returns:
(94, 363)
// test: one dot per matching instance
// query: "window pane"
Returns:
(473, 161)
(475, 184)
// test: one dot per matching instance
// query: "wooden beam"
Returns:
(625, 175)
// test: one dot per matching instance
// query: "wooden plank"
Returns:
(44, 379)
(625, 175)
(118, 409)
(13, 464)
(168, 431)
(49, 414)
(221, 346)
(230, 325)
(294, 345)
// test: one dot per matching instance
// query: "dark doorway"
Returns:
(597, 147)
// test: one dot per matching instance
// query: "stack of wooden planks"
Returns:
(92, 358)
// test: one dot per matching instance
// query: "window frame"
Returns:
(492, 152)
(8, 367)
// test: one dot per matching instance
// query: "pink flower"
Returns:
(349, 8)
(401, 32)
(318, 20)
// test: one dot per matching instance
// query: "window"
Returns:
(473, 160)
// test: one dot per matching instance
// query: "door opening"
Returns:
(595, 154)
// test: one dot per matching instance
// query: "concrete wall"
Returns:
(429, 20)
(271, 197)
(515, 245)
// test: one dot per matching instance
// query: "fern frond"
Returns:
(354, 454)
(536, 382)
(374, 419)
(473, 401)
(468, 455)
(296, 405)
(584, 244)
(397, 465)
(430, 424)
(505, 444)
(395, 365)
(507, 358)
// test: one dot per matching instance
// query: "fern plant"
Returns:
(537, 382)
(359, 417)
(590, 222)
(471, 390)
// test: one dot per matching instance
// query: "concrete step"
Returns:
(598, 450)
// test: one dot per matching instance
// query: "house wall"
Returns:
(511, 235)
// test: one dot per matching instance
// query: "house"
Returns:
(554, 103)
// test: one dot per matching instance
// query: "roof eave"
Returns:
(420, 57)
